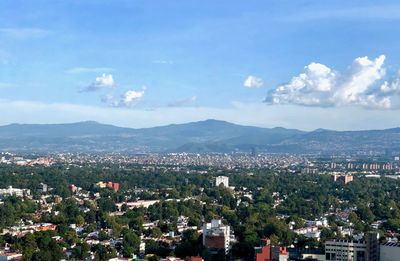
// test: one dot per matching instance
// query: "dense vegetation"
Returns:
(300, 197)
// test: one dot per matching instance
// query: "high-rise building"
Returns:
(222, 180)
(350, 165)
(345, 250)
(349, 250)
(372, 241)
(216, 236)
(253, 152)
(342, 178)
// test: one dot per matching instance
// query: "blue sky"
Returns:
(296, 64)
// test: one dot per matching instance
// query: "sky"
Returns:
(142, 63)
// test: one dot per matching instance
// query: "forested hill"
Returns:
(198, 137)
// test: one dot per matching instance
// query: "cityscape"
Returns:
(184, 130)
(181, 206)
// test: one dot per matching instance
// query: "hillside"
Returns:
(202, 136)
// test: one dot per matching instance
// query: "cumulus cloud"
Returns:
(105, 81)
(253, 82)
(360, 85)
(127, 99)
(130, 97)
(391, 88)
(183, 103)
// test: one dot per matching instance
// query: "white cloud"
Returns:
(127, 99)
(253, 82)
(391, 87)
(105, 81)
(130, 97)
(183, 103)
(321, 86)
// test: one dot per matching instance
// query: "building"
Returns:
(10, 191)
(347, 250)
(316, 254)
(216, 236)
(110, 184)
(100, 184)
(114, 186)
(342, 178)
(350, 165)
(42, 188)
(57, 199)
(253, 152)
(5, 256)
(73, 188)
(309, 232)
(372, 240)
(222, 180)
(309, 171)
(137, 204)
(389, 251)
(269, 252)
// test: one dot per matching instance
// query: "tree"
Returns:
(156, 232)
(81, 251)
(130, 243)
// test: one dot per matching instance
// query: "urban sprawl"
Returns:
(182, 206)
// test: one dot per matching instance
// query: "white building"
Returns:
(309, 232)
(345, 250)
(5, 256)
(348, 250)
(216, 235)
(222, 180)
(14, 191)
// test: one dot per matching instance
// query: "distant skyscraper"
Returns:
(342, 178)
(253, 152)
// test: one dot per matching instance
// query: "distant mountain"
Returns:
(90, 128)
(199, 137)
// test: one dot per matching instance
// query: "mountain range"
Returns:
(197, 137)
